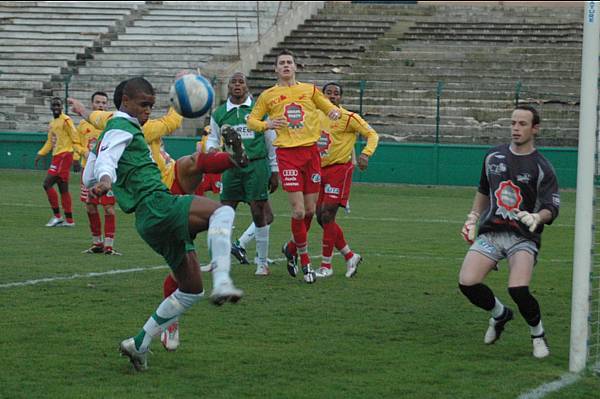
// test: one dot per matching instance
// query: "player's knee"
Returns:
(298, 214)
(223, 214)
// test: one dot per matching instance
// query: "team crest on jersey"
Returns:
(324, 143)
(295, 116)
(316, 178)
(508, 198)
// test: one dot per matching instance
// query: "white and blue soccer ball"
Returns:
(192, 96)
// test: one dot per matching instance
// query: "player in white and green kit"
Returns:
(252, 183)
(121, 161)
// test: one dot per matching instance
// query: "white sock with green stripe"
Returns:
(219, 243)
(262, 244)
(167, 312)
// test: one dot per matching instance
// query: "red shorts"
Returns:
(61, 166)
(336, 183)
(210, 182)
(300, 169)
(175, 186)
(106, 199)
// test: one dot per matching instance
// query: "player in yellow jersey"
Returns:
(63, 140)
(88, 135)
(292, 108)
(336, 145)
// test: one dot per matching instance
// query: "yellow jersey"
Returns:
(338, 137)
(298, 104)
(154, 130)
(62, 137)
(88, 136)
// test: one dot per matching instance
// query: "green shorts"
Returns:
(247, 184)
(161, 219)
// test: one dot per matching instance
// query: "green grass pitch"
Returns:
(399, 329)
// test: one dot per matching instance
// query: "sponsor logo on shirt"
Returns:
(556, 200)
(508, 198)
(524, 178)
(295, 116)
(331, 190)
(324, 143)
(277, 100)
(497, 169)
(289, 173)
(244, 132)
(316, 178)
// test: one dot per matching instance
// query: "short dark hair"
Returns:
(118, 94)
(333, 84)
(55, 99)
(134, 86)
(536, 116)
(99, 93)
(285, 52)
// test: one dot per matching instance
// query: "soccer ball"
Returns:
(192, 96)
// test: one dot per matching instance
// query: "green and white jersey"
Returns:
(123, 154)
(234, 115)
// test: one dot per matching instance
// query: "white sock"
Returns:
(498, 309)
(219, 243)
(345, 250)
(538, 330)
(248, 235)
(167, 312)
(262, 244)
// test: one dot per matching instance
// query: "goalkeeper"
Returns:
(517, 195)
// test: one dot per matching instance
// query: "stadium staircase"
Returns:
(481, 54)
(98, 44)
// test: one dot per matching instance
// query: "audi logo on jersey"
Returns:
(289, 173)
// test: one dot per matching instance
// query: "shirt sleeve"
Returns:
(358, 124)
(255, 119)
(548, 193)
(99, 119)
(484, 184)
(88, 172)
(214, 137)
(47, 147)
(157, 128)
(109, 152)
(270, 136)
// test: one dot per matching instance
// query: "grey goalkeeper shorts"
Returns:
(503, 244)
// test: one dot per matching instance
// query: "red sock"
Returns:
(291, 246)
(65, 199)
(53, 200)
(215, 162)
(329, 235)
(300, 238)
(169, 285)
(95, 226)
(109, 225)
(308, 221)
(340, 242)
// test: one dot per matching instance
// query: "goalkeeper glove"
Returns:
(531, 220)
(468, 230)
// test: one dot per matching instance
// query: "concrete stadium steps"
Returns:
(42, 41)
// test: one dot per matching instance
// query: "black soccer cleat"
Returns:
(497, 326)
(292, 261)
(240, 254)
(232, 143)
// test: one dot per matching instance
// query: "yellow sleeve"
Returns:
(322, 102)
(99, 119)
(82, 139)
(358, 124)
(69, 127)
(47, 147)
(156, 128)
(255, 121)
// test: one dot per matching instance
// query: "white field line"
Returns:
(77, 276)
(549, 387)
(341, 216)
